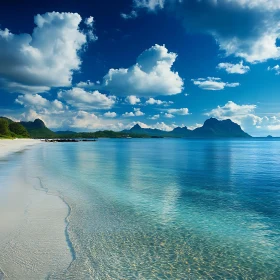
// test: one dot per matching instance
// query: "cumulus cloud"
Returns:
(150, 76)
(230, 68)
(45, 59)
(244, 28)
(212, 83)
(89, 21)
(168, 115)
(164, 126)
(154, 117)
(181, 111)
(276, 69)
(110, 114)
(79, 98)
(91, 31)
(152, 101)
(274, 123)
(87, 85)
(36, 102)
(137, 113)
(132, 99)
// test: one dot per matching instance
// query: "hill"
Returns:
(38, 129)
(11, 129)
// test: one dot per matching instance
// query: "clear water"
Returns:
(166, 208)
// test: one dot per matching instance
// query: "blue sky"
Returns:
(160, 63)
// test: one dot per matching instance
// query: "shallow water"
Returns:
(166, 208)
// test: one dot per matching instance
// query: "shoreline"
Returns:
(33, 233)
(10, 146)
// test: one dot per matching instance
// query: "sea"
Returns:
(164, 208)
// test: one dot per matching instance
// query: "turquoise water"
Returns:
(166, 208)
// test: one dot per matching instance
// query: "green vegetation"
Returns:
(10, 129)
(18, 129)
(37, 129)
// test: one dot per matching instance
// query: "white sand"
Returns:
(11, 146)
(32, 223)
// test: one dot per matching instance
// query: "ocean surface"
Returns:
(164, 208)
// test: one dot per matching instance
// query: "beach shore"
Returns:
(11, 146)
(33, 244)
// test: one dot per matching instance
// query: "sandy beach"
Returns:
(12, 146)
(32, 234)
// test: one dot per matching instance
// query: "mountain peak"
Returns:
(220, 128)
(137, 126)
(39, 123)
(211, 121)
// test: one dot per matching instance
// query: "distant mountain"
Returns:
(137, 129)
(212, 128)
(181, 132)
(38, 129)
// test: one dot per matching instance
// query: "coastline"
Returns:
(9, 146)
(33, 240)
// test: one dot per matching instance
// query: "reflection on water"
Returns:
(168, 209)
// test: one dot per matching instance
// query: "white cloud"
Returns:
(128, 114)
(110, 114)
(132, 99)
(182, 111)
(137, 113)
(133, 14)
(78, 97)
(234, 68)
(276, 68)
(83, 119)
(45, 59)
(149, 4)
(168, 115)
(152, 101)
(212, 83)
(154, 117)
(86, 85)
(192, 127)
(150, 76)
(232, 109)
(164, 126)
(36, 102)
(89, 21)
(91, 32)
(245, 28)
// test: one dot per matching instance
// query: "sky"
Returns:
(95, 65)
